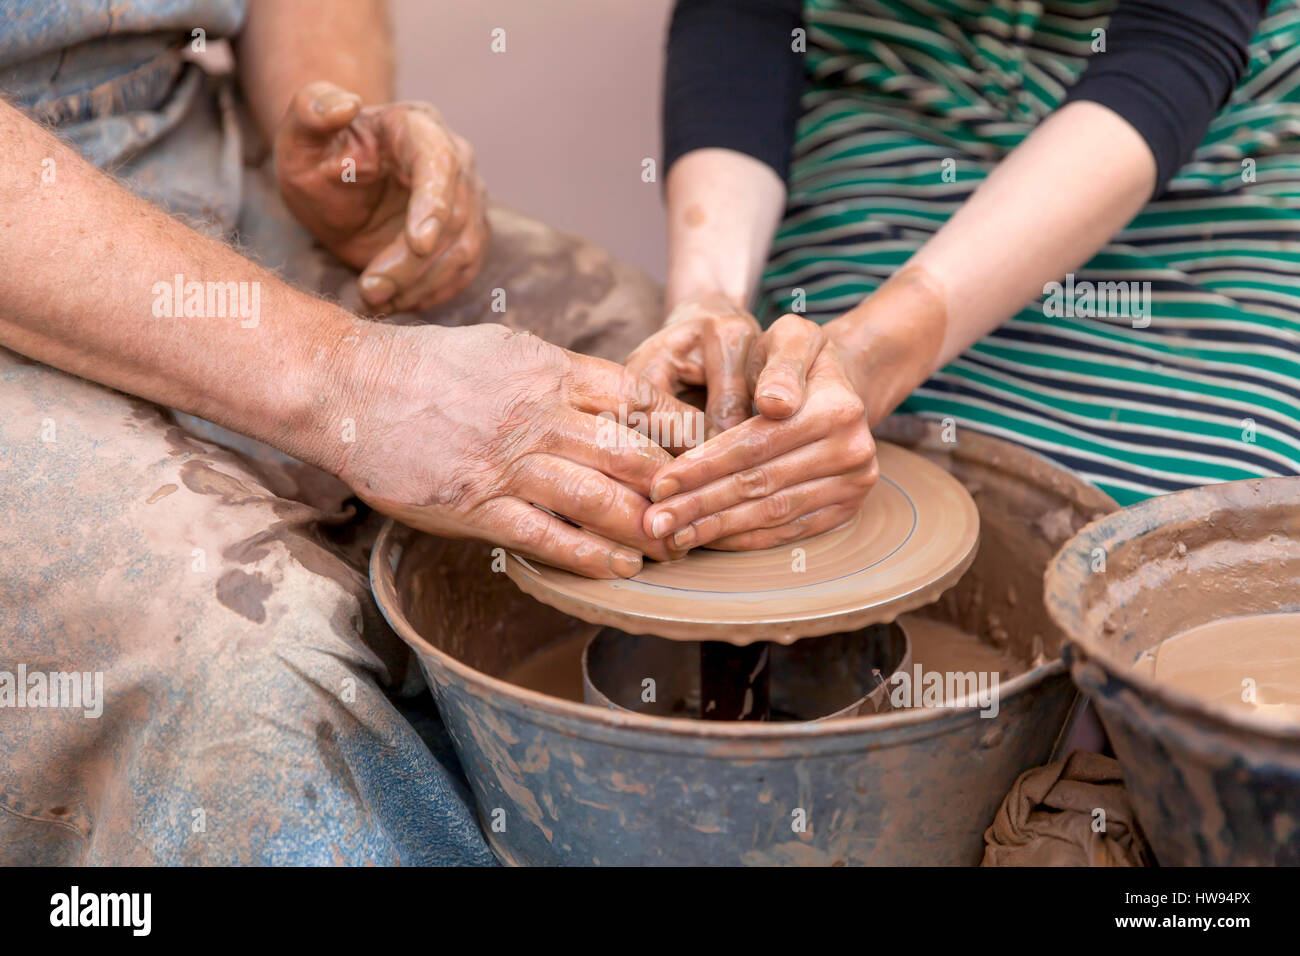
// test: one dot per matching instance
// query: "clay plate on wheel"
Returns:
(913, 538)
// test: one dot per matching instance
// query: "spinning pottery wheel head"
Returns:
(912, 539)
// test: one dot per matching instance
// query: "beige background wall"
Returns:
(562, 120)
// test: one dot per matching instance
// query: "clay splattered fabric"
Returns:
(1190, 380)
(122, 83)
(225, 690)
(247, 703)
(220, 665)
(1074, 812)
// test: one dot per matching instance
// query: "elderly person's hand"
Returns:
(390, 190)
(800, 467)
(485, 433)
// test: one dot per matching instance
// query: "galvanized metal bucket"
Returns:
(1210, 786)
(560, 782)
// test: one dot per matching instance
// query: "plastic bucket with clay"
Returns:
(583, 784)
(1210, 785)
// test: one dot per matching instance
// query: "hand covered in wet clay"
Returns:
(800, 467)
(705, 341)
(473, 432)
(390, 190)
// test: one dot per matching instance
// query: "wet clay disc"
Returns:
(912, 539)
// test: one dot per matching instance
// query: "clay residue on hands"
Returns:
(911, 540)
(1249, 663)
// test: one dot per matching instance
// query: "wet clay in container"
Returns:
(1250, 663)
(1193, 581)
(944, 648)
(555, 669)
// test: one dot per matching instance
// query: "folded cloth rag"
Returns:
(1074, 812)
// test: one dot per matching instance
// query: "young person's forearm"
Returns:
(723, 210)
(90, 277)
(1045, 210)
(286, 44)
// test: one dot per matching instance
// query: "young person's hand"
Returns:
(800, 467)
(706, 342)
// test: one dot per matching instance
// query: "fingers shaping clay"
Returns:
(913, 538)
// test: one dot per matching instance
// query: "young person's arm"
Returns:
(803, 464)
(772, 479)
(731, 96)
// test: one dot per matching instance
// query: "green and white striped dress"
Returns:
(1204, 388)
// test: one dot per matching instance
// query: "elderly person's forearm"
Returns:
(90, 286)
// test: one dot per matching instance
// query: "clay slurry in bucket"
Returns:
(1249, 663)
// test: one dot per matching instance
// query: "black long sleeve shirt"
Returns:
(733, 80)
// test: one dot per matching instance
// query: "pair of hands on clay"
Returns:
(480, 432)
(471, 432)
(514, 420)
(802, 463)
(800, 466)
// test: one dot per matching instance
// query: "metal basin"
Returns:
(563, 782)
(1211, 786)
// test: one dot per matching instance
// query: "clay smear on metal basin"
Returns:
(583, 785)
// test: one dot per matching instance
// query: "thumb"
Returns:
(791, 346)
(317, 112)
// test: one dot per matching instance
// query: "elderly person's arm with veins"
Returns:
(804, 463)
(461, 432)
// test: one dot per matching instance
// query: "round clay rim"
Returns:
(1123, 526)
(384, 586)
(960, 532)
